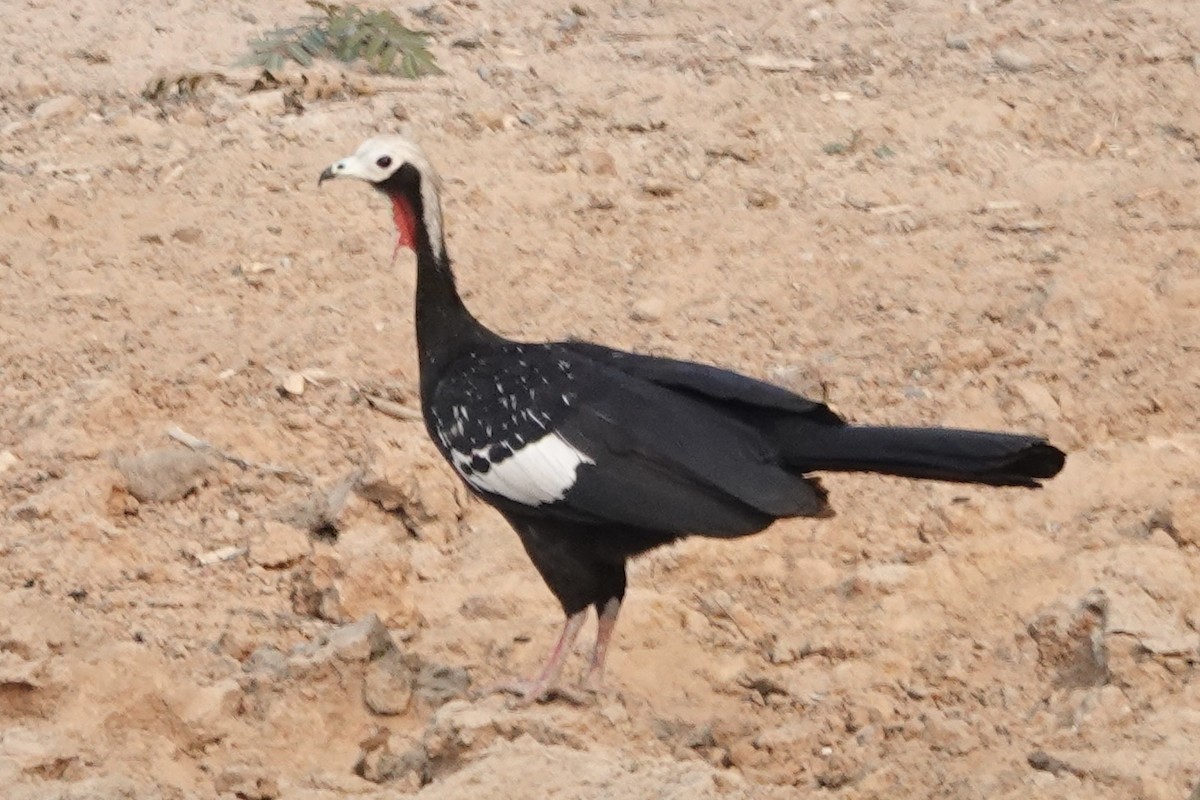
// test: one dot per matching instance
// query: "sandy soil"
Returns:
(981, 213)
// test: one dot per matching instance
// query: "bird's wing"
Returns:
(539, 427)
(706, 381)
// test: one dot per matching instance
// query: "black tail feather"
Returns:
(945, 454)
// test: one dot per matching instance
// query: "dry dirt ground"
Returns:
(981, 213)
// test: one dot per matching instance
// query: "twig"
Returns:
(195, 443)
(392, 409)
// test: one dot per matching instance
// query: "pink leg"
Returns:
(530, 691)
(608, 620)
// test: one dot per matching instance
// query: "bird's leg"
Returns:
(594, 678)
(530, 691)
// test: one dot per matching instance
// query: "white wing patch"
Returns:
(540, 472)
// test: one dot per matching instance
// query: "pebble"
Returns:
(1037, 398)
(388, 684)
(142, 130)
(276, 545)
(1008, 59)
(8, 460)
(769, 62)
(1070, 642)
(66, 107)
(265, 104)
(293, 384)
(362, 640)
(648, 309)
(957, 41)
(952, 736)
(164, 476)
(597, 162)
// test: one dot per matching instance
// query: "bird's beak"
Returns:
(329, 173)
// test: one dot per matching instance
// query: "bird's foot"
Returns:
(528, 692)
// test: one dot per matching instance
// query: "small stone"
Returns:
(247, 783)
(388, 684)
(761, 198)
(1011, 60)
(277, 545)
(952, 736)
(208, 710)
(188, 235)
(265, 104)
(163, 476)
(884, 578)
(293, 384)
(1184, 519)
(142, 130)
(362, 640)
(1070, 642)
(8, 460)
(957, 41)
(486, 606)
(1038, 399)
(597, 162)
(648, 309)
(66, 107)
(438, 684)
(769, 62)
(192, 117)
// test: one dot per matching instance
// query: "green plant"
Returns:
(347, 33)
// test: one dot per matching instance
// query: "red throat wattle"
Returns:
(406, 224)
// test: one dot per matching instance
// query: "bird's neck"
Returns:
(445, 328)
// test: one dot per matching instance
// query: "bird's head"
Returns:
(397, 167)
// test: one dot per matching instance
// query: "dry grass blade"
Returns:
(392, 409)
(196, 443)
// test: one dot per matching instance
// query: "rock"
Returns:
(958, 41)
(8, 460)
(142, 130)
(276, 545)
(1011, 60)
(208, 710)
(247, 783)
(293, 384)
(166, 475)
(486, 606)
(761, 198)
(597, 162)
(881, 578)
(1070, 642)
(438, 684)
(314, 591)
(388, 684)
(1184, 513)
(60, 109)
(38, 754)
(769, 62)
(952, 736)
(648, 309)
(265, 104)
(1037, 399)
(188, 235)
(364, 640)
(268, 661)
(373, 573)
(378, 761)
(414, 483)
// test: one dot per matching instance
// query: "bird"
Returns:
(595, 455)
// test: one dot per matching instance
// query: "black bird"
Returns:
(595, 455)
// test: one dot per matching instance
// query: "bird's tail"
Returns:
(945, 454)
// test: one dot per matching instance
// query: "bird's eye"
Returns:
(383, 162)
